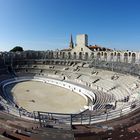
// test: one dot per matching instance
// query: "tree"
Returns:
(17, 49)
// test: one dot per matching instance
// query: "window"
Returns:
(81, 49)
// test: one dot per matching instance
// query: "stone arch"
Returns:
(118, 57)
(98, 55)
(69, 55)
(86, 56)
(54, 55)
(126, 57)
(80, 55)
(63, 55)
(133, 58)
(102, 53)
(92, 55)
(74, 55)
(111, 56)
(50, 54)
(105, 56)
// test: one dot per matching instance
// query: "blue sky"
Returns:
(47, 24)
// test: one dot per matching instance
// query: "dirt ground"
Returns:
(38, 96)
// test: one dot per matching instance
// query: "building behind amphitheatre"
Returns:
(82, 92)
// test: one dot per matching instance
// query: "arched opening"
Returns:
(63, 55)
(92, 55)
(74, 55)
(50, 54)
(53, 55)
(98, 56)
(80, 55)
(118, 57)
(86, 56)
(102, 53)
(105, 56)
(133, 57)
(125, 57)
(69, 55)
(111, 57)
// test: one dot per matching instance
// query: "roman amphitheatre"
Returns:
(83, 92)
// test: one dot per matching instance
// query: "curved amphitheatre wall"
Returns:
(120, 61)
(113, 56)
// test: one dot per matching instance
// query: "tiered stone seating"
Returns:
(109, 87)
(87, 78)
(102, 99)
(105, 84)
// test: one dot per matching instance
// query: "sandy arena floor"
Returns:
(38, 96)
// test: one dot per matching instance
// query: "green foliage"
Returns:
(17, 49)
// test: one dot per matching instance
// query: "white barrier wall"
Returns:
(80, 90)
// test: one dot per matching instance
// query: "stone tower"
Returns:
(71, 46)
(82, 40)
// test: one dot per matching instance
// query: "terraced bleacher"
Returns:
(114, 92)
